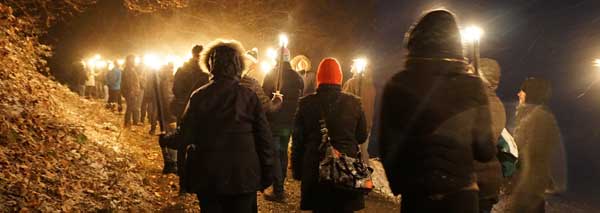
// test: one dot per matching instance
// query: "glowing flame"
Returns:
(266, 66)
(471, 34)
(597, 63)
(283, 40)
(360, 64)
(120, 62)
(152, 61)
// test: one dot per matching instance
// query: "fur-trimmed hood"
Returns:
(223, 58)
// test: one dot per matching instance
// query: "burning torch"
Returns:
(283, 42)
(473, 35)
(360, 65)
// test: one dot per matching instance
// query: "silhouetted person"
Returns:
(347, 127)
(489, 174)
(435, 121)
(303, 66)
(131, 89)
(113, 80)
(282, 120)
(538, 136)
(187, 79)
(230, 153)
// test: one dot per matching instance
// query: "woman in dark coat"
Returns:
(435, 121)
(347, 128)
(229, 152)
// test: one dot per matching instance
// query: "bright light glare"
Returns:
(471, 34)
(121, 62)
(360, 64)
(271, 53)
(111, 65)
(152, 61)
(283, 40)
(137, 60)
(101, 64)
(597, 63)
(97, 57)
(266, 67)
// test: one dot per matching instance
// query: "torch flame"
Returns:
(283, 40)
(472, 34)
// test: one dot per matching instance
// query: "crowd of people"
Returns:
(443, 136)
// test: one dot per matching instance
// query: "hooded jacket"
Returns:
(224, 122)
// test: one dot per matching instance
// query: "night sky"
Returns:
(552, 39)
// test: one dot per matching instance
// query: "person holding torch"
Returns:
(361, 85)
(287, 83)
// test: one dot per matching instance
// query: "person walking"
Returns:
(489, 175)
(435, 121)
(537, 136)
(113, 81)
(347, 129)
(187, 79)
(282, 120)
(229, 148)
(131, 89)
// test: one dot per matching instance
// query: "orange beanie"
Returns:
(329, 72)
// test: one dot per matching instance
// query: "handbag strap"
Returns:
(325, 129)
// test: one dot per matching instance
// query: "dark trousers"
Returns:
(459, 202)
(132, 110)
(486, 205)
(242, 203)
(281, 139)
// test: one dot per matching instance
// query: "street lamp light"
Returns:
(472, 35)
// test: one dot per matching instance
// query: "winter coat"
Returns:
(292, 87)
(232, 150)
(537, 136)
(253, 85)
(113, 79)
(130, 82)
(347, 129)
(363, 87)
(435, 120)
(310, 81)
(187, 79)
(489, 174)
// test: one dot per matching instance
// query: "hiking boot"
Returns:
(275, 197)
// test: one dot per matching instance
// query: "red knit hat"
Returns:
(329, 72)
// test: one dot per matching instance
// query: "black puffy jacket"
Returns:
(187, 79)
(233, 152)
(435, 121)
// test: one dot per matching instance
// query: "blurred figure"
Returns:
(303, 66)
(113, 80)
(435, 121)
(148, 96)
(100, 83)
(78, 78)
(538, 136)
(90, 83)
(361, 85)
(230, 154)
(165, 83)
(268, 104)
(253, 68)
(347, 128)
(489, 175)
(131, 88)
(187, 79)
(282, 120)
